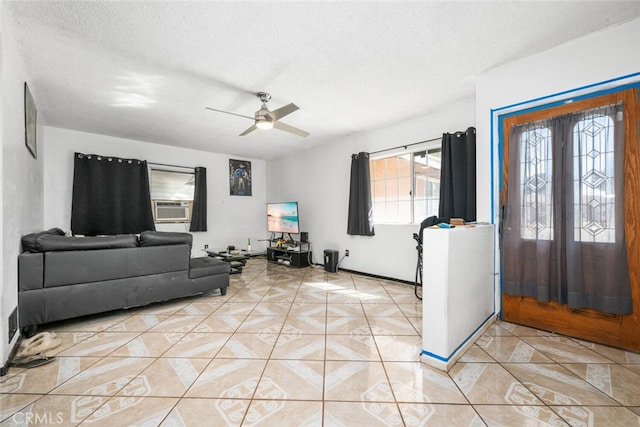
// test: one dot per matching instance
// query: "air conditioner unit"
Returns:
(172, 211)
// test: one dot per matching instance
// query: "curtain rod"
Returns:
(171, 166)
(406, 145)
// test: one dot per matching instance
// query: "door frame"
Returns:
(619, 331)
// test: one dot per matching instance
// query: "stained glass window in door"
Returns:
(536, 180)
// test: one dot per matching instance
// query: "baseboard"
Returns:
(375, 276)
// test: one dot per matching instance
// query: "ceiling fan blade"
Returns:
(251, 129)
(228, 112)
(279, 113)
(288, 128)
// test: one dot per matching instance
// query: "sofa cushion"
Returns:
(29, 240)
(207, 266)
(51, 243)
(160, 238)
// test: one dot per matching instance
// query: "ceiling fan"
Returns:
(266, 119)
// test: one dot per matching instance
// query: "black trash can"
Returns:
(330, 260)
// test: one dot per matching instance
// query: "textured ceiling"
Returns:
(146, 70)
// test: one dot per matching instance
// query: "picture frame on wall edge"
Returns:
(30, 122)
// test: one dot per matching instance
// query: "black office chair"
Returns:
(431, 221)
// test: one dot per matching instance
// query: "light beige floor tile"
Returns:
(100, 344)
(614, 380)
(417, 382)
(201, 345)
(137, 323)
(339, 414)
(149, 344)
(401, 348)
(170, 377)
(105, 377)
(127, 411)
(271, 309)
(635, 409)
(279, 413)
(261, 324)
(489, 383)
(304, 325)
(164, 308)
(351, 347)
(315, 297)
(68, 340)
(356, 381)
(236, 308)
(216, 412)
(633, 367)
(198, 309)
(411, 309)
(392, 326)
(95, 323)
(496, 330)
(220, 323)
(45, 378)
(348, 325)
(615, 354)
(510, 349)
(228, 379)
(565, 350)
(519, 415)
(178, 323)
(342, 310)
(598, 416)
(308, 309)
(299, 347)
(53, 410)
(291, 380)
(373, 311)
(417, 324)
(521, 330)
(12, 404)
(437, 415)
(248, 346)
(476, 354)
(556, 385)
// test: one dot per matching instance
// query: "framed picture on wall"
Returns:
(30, 118)
(240, 177)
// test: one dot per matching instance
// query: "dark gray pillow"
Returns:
(161, 238)
(49, 243)
(29, 240)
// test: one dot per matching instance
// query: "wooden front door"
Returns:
(616, 330)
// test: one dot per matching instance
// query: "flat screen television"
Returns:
(282, 217)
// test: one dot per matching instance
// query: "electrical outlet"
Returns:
(346, 253)
(206, 246)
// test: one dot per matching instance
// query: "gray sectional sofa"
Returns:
(61, 277)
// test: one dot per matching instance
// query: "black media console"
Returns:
(293, 256)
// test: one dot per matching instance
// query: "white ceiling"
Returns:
(145, 70)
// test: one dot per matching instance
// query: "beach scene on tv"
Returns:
(282, 217)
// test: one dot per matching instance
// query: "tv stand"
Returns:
(296, 255)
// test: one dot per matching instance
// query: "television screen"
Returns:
(282, 217)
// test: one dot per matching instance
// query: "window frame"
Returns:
(156, 200)
(427, 149)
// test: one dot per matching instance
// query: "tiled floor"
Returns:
(290, 347)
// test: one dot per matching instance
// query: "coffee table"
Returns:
(236, 259)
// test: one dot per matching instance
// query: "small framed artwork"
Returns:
(240, 177)
(30, 122)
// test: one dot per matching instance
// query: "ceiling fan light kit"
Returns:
(266, 119)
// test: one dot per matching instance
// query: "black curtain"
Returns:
(360, 221)
(110, 196)
(564, 237)
(199, 214)
(458, 176)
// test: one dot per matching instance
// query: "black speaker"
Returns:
(304, 237)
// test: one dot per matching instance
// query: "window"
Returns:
(405, 188)
(172, 195)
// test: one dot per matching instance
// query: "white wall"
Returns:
(231, 219)
(22, 187)
(319, 180)
(588, 61)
